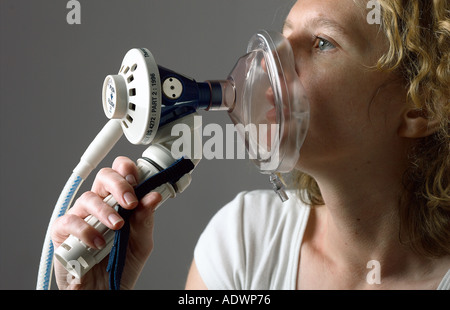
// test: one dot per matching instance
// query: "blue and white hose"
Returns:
(65, 200)
(94, 154)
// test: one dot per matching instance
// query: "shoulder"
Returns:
(240, 238)
(261, 204)
(258, 213)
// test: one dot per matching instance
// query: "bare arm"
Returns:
(194, 280)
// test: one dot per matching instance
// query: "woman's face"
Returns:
(355, 110)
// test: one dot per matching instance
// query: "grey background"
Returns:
(51, 75)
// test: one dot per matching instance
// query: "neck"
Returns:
(360, 221)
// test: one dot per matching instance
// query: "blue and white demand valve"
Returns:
(144, 96)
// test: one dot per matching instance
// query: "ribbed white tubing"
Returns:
(94, 154)
(63, 203)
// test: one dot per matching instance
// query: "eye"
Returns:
(323, 45)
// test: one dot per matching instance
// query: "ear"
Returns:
(416, 124)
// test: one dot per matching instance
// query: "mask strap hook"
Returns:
(278, 187)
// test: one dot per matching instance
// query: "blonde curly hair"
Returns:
(418, 33)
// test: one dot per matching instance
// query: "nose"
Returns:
(288, 59)
(295, 54)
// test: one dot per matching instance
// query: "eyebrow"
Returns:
(319, 21)
(330, 24)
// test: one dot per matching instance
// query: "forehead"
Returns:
(338, 12)
(347, 18)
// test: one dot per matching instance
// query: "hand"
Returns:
(118, 181)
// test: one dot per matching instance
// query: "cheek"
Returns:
(338, 92)
(331, 99)
(351, 114)
(340, 102)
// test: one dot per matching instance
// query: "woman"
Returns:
(373, 175)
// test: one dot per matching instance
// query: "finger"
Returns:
(151, 200)
(109, 181)
(90, 203)
(71, 224)
(126, 168)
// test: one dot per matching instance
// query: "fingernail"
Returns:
(131, 179)
(99, 243)
(114, 219)
(129, 198)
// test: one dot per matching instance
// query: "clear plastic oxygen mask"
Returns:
(267, 103)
